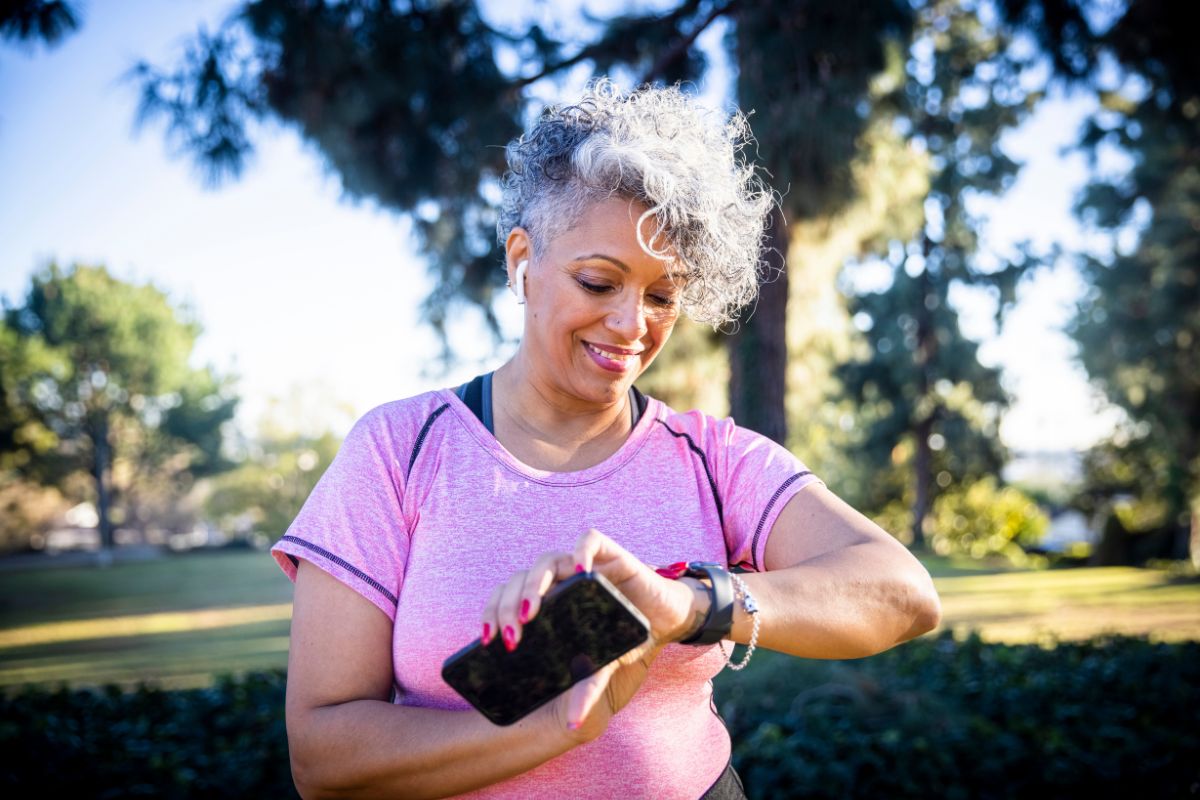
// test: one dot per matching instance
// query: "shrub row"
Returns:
(228, 740)
(937, 717)
(940, 717)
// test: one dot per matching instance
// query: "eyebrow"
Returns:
(622, 265)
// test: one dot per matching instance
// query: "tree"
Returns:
(929, 403)
(409, 105)
(263, 495)
(1139, 323)
(805, 69)
(29, 20)
(96, 376)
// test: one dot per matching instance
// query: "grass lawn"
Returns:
(179, 621)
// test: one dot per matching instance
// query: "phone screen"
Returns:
(583, 624)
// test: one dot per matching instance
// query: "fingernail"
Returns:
(579, 567)
(524, 611)
(510, 637)
(573, 725)
(673, 571)
(487, 633)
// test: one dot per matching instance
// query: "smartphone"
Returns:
(583, 623)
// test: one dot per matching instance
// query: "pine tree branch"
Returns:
(603, 45)
(681, 46)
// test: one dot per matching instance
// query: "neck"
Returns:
(547, 414)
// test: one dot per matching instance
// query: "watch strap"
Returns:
(719, 621)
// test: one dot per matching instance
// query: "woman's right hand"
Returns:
(586, 709)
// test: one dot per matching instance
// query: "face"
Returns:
(598, 308)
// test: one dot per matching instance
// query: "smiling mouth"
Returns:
(614, 355)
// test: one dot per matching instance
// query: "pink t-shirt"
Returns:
(423, 512)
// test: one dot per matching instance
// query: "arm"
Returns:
(836, 585)
(345, 737)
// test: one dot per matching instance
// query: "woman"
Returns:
(455, 511)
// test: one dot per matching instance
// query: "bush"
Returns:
(225, 741)
(981, 520)
(936, 717)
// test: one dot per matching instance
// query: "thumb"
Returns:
(586, 693)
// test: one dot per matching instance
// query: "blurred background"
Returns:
(229, 229)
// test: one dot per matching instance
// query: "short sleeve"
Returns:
(755, 477)
(352, 525)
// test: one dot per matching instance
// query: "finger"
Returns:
(596, 552)
(547, 570)
(586, 694)
(507, 624)
(490, 624)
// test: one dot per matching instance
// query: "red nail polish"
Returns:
(579, 567)
(487, 633)
(524, 611)
(510, 637)
(673, 571)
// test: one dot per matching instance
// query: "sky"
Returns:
(307, 296)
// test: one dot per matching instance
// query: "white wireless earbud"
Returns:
(519, 288)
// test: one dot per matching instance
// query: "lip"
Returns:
(625, 351)
(610, 364)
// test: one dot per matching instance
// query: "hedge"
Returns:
(940, 717)
(936, 717)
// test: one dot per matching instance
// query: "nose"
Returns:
(628, 317)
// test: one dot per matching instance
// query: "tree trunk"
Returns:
(758, 351)
(922, 477)
(100, 461)
(1194, 538)
(1113, 549)
(925, 354)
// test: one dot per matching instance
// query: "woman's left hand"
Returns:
(666, 603)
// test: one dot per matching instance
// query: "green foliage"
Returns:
(938, 717)
(927, 404)
(982, 520)
(692, 372)
(805, 70)
(95, 380)
(1139, 323)
(409, 106)
(259, 499)
(225, 741)
(934, 717)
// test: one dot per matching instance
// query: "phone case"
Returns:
(583, 623)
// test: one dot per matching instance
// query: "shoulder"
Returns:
(397, 424)
(407, 409)
(701, 428)
(722, 443)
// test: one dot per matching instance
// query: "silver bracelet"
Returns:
(742, 592)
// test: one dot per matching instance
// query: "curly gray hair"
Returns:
(660, 147)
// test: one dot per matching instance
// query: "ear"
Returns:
(517, 248)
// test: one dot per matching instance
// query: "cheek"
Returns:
(663, 326)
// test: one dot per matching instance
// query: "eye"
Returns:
(594, 288)
(662, 300)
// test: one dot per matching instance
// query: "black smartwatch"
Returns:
(719, 621)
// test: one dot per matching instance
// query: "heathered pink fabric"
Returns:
(423, 512)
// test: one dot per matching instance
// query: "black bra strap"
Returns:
(639, 404)
(476, 394)
(486, 416)
(471, 393)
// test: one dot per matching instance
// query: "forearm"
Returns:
(372, 748)
(850, 603)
